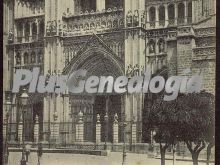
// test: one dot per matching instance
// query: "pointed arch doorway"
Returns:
(98, 60)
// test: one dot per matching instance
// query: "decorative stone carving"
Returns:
(135, 70)
(129, 19)
(87, 23)
(10, 36)
(151, 47)
(51, 28)
(211, 31)
(136, 18)
(161, 46)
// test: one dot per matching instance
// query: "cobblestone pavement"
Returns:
(76, 159)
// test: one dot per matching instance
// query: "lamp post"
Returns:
(39, 152)
(106, 129)
(124, 145)
(24, 102)
(6, 153)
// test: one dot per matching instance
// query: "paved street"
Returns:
(76, 159)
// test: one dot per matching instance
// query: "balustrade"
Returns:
(56, 132)
(87, 23)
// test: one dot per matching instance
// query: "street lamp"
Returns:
(24, 101)
(106, 129)
(39, 152)
(6, 153)
(124, 146)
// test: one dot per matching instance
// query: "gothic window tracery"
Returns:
(113, 3)
(41, 29)
(171, 14)
(34, 31)
(27, 31)
(152, 15)
(33, 57)
(181, 13)
(26, 58)
(19, 31)
(162, 15)
(87, 5)
(190, 12)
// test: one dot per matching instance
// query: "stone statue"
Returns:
(116, 118)
(136, 18)
(161, 46)
(129, 71)
(136, 70)
(152, 49)
(129, 19)
(10, 36)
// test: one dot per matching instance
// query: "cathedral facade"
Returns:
(107, 38)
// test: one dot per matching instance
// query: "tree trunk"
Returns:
(195, 152)
(209, 152)
(195, 158)
(162, 152)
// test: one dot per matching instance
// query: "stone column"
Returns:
(36, 130)
(4, 129)
(166, 15)
(147, 18)
(186, 12)
(20, 131)
(80, 128)
(56, 129)
(157, 16)
(98, 129)
(134, 132)
(37, 23)
(31, 33)
(176, 13)
(115, 129)
(156, 46)
(23, 32)
(100, 5)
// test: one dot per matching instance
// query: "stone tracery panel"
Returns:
(114, 41)
(87, 23)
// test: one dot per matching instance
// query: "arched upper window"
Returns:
(26, 58)
(181, 13)
(87, 5)
(162, 15)
(41, 29)
(113, 3)
(27, 31)
(171, 12)
(152, 14)
(19, 32)
(190, 12)
(151, 46)
(34, 30)
(33, 57)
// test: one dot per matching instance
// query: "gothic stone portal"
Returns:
(91, 106)
(98, 60)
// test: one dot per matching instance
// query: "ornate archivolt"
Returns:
(97, 58)
(112, 44)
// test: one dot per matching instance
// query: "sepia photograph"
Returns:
(109, 82)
